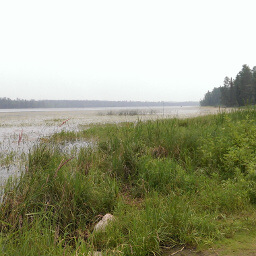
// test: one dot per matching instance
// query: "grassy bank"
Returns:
(189, 182)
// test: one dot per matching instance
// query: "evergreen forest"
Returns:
(240, 91)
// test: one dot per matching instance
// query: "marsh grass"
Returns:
(168, 182)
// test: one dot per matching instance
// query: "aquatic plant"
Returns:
(169, 182)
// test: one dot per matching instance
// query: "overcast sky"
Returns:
(173, 50)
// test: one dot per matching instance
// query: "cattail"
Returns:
(64, 122)
(20, 137)
(61, 165)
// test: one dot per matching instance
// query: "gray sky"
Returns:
(123, 50)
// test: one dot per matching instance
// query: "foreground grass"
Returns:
(168, 183)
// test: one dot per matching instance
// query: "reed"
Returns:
(20, 137)
(168, 183)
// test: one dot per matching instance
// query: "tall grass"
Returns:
(168, 182)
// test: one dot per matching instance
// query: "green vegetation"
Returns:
(189, 182)
(238, 92)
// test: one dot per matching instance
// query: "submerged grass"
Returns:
(169, 182)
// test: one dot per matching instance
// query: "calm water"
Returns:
(20, 129)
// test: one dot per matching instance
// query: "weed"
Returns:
(167, 182)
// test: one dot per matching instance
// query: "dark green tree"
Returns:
(228, 95)
(244, 88)
(240, 92)
(225, 92)
(212, 98)
(254, 83)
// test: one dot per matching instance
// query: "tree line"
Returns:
(240, 91)
(7, 103)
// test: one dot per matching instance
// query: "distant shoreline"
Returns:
(6, 103)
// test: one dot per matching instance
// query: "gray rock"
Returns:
(95, 254)
(101, 225)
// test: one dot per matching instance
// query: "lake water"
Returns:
(20, 129)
